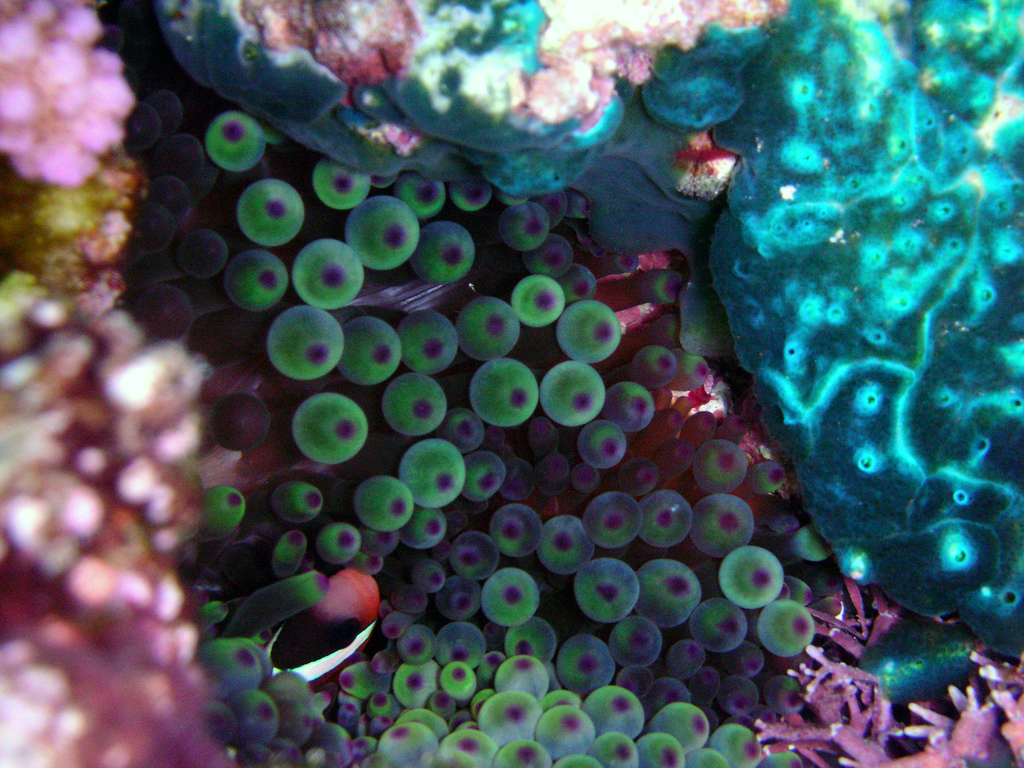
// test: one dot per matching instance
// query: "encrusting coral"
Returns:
(889, 362)
(71, 239)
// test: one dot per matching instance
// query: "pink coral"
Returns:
(96, 649)
(62, 100)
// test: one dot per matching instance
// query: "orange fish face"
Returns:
(315, 642)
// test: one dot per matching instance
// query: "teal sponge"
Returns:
(867, 270)
(697, 89)
(918, 660)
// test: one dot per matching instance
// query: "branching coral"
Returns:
(62, 101)
(441, 376)
(850, 712)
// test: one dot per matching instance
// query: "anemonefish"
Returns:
(316, 641)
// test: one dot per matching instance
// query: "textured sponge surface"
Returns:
(869, 283)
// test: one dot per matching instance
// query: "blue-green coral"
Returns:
(871, 265)
(304, 98)
(920, 659)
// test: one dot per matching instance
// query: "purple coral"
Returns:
(96, 649)
(62, 100)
